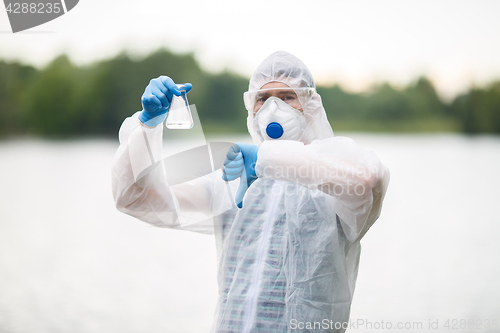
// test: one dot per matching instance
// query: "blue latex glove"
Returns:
(157, 98)
(240, 162)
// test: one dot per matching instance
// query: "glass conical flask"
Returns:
(179, 115)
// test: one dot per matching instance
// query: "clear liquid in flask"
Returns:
(179, 115)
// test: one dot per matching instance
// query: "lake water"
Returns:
(69, 262)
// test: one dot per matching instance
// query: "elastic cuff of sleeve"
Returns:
(151, 122)
(260, 165)
(276, 155)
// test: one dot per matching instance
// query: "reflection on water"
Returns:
(69, 262)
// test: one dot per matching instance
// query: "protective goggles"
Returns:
(295, 97)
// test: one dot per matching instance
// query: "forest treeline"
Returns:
(64, 100)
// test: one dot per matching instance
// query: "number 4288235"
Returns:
(40, 8)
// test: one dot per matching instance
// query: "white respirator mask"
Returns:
(277, 120)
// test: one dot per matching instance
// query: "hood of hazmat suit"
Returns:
(285, 68)
(288, 260)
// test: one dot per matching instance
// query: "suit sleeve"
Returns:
(352, 175)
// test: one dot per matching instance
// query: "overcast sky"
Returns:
(355, 43)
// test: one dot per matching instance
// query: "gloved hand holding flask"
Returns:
(157, 99)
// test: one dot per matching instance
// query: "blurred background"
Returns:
(416, 81)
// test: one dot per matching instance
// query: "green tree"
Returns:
(478, 111)
(341, 105)
(423, 100)
(14, 79)
(222, 101)
(50, 99)
(387, 104)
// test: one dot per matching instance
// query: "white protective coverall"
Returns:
(291, 254)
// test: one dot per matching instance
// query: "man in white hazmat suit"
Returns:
(288, 258)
